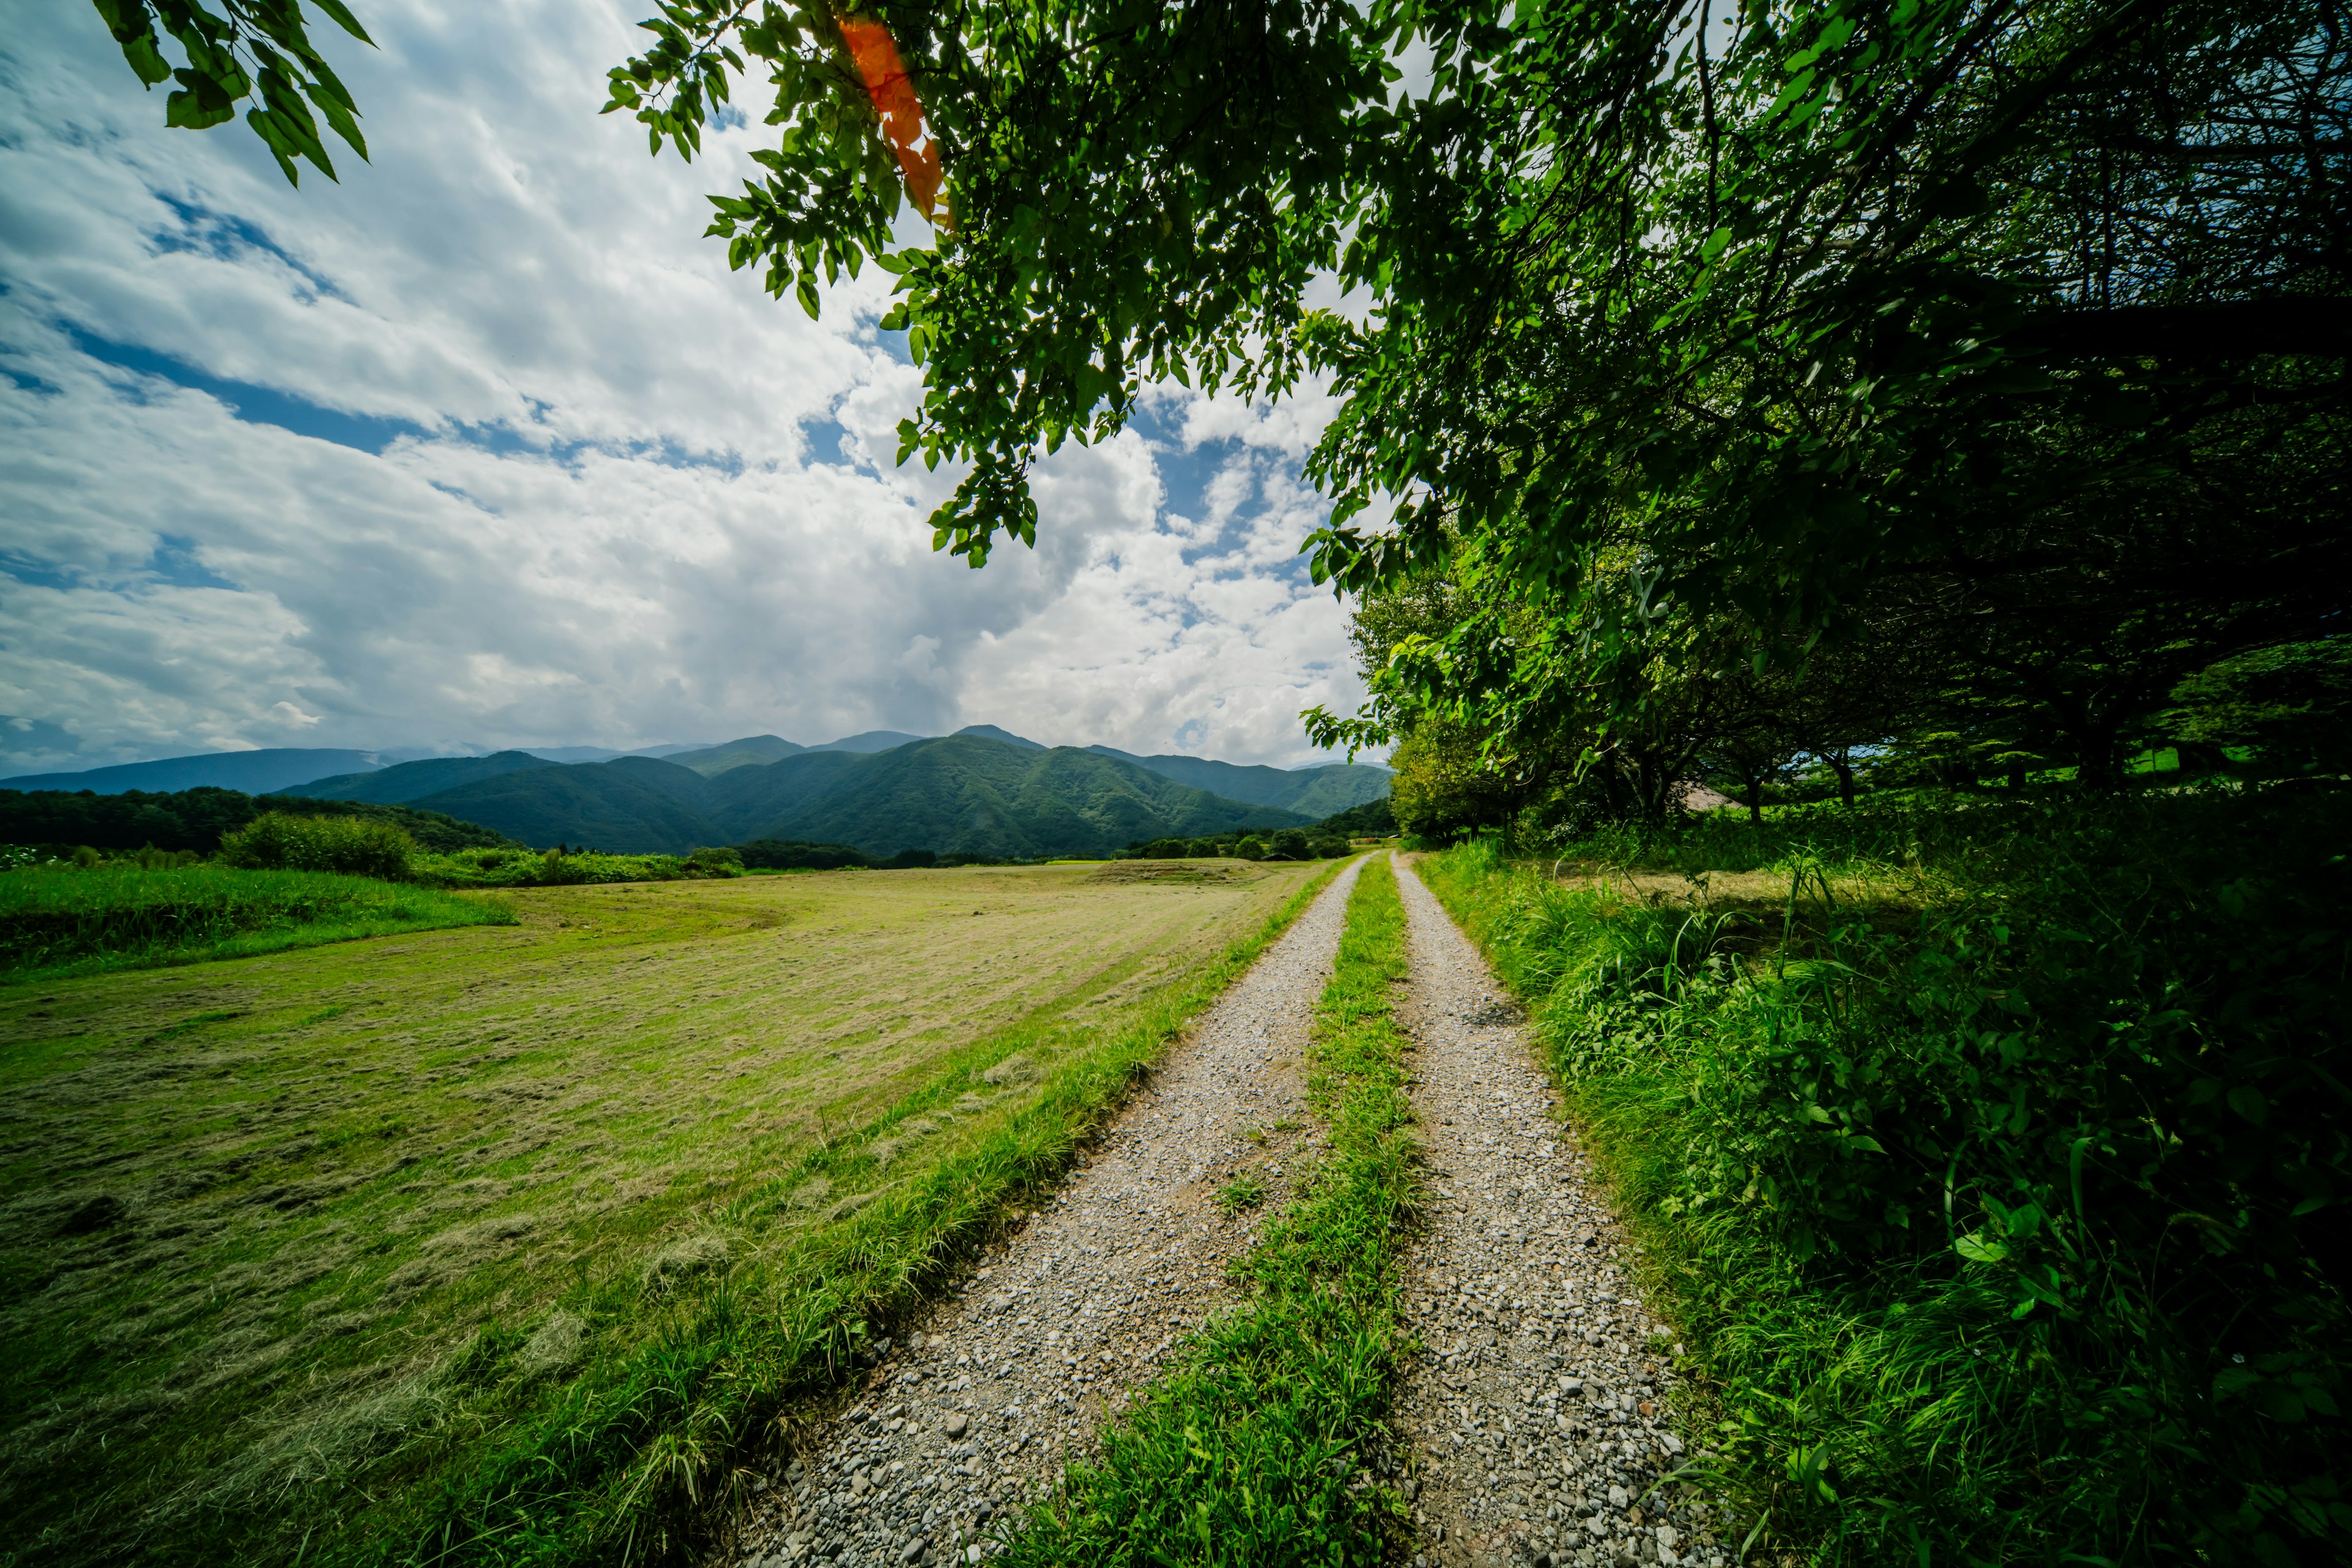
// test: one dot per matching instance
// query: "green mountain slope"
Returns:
(406, 781)
(981, 796)
(750, 751)
(196, 819)
(959, 793)
(1312, 791)
(632, 806)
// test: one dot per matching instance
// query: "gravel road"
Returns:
(1008, 1381)
(1539, 1409)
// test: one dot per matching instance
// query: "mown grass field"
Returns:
(325, 1246)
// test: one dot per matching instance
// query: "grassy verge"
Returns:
(1261, 1445)
(63, 920)
(1992, 1164)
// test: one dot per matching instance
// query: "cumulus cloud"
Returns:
(486, 446)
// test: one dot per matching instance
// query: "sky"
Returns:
(484, 446)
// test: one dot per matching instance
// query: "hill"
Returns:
(751, 749)
(631, 806)
(991, 732)
(959, 793)
(1314, 791)
(256, 773)
(406, 781)
(870, 740)
(965, 793)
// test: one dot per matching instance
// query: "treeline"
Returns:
(1318, 843)
(196, 820)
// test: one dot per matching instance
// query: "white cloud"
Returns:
(603, 489)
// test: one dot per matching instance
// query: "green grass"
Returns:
(1991, 1164)
(1264, 1442)
(504, 1245)
(65, 919)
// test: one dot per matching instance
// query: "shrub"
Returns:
(278, 841)
(1250, 849)
(714, 863)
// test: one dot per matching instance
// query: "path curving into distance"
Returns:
(1011, 1377)
(1537, 1411)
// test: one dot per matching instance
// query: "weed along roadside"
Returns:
(508, 1245)
(1986, 1159)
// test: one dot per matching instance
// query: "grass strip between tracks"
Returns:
(631, 1462)
(1262, 1442)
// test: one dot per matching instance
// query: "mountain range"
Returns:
(980, 791)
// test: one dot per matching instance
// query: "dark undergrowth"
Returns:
(1262, 1444)
(2011, 1230)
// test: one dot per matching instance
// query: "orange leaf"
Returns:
(876, 55)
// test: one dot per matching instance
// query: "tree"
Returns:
(245, 50)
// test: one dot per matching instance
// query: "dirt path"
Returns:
(1009, 1380)
(1538, 1410)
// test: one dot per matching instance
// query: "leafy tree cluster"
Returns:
(197, 819)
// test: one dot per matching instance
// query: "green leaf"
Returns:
(1976, 1249)
(807, 291)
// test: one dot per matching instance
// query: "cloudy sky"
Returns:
(485, 447)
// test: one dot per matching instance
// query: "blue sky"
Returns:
(485, 447)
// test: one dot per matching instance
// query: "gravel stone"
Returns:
(1538, 1404)
(978, 1412)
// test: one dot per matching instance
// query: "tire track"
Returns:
(1537, 1408)
(1010, 1379)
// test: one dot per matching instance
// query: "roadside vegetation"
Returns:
(502, 1246)
(1263, 1442)
(1992, 1152)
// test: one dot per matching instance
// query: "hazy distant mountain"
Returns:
(606, 754)
(871, 740)
(1315, 793)
(406, 781)
(728, 754)
(955, 793)
(991, 732)
(254, 772)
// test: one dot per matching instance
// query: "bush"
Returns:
(794, 855)
(278, 841)
(1249, 849)
(714, 863)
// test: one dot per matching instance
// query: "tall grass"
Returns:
(60, 918)
(626, 1460)
(1262, 1444)
(2005, 1211)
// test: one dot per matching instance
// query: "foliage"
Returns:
(1256, 1447)
(784, 855)
(283, 841)
(1373, 819)
(71, 920)
(2288, 704)
(245, 50)
(548, 868)
(2002, 1165)
(194, 819)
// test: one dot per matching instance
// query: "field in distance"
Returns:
(257, 1213)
